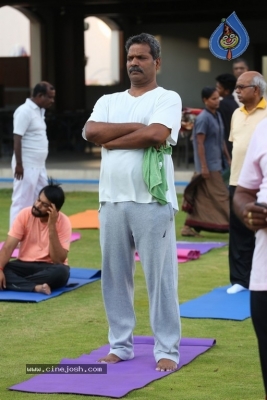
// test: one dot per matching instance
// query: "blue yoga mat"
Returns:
(218, 304)
(78, 278)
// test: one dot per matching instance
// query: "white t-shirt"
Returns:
(29, 123)
(121, 177)
(254, 176)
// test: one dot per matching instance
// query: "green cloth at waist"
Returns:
(154, 172)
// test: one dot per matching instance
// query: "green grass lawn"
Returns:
(72, 324)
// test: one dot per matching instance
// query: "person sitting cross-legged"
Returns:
(43, 235)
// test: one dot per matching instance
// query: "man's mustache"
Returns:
(137, 69)
(36, 209)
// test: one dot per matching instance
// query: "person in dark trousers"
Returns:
(225, 84)
(43, 234)
(250, 206)
(250, 88)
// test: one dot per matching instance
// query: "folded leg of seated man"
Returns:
(25, 276)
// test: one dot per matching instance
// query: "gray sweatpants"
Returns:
(150, 229)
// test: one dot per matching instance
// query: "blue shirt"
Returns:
(210, 125)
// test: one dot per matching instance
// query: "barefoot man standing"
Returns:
(135, 129)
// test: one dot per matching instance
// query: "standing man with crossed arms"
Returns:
(127, 124)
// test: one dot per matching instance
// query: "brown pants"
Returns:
(209, 200)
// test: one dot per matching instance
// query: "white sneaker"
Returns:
(236, 288)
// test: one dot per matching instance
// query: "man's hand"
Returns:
(53, 215)
(18, 174)
(205, 172)
(255, 216)
(2, 280)
(57, 253)
(158, 146)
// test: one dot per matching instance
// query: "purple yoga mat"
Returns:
(203, 247)
(121, 378)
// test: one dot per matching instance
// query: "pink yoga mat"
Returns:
(74, 236)
(183, 255)
(15, 252)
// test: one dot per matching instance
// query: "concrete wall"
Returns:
(180, 59)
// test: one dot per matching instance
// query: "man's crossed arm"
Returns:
(126, 135)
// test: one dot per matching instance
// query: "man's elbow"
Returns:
(60, 258)
(90, 131)
(158, 134)
(158, 139)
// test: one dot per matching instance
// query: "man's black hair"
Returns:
(42, 88)
(227, 81)
(54, 193)
(145, 38)
(239, 60)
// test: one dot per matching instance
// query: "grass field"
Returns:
(73, 324)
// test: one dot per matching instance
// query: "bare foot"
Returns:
(45, 289)
(110, 359)
(165, 364)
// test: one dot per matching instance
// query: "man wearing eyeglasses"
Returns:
(30, 148)
(250, 89)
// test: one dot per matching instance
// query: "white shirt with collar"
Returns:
(30, 124)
